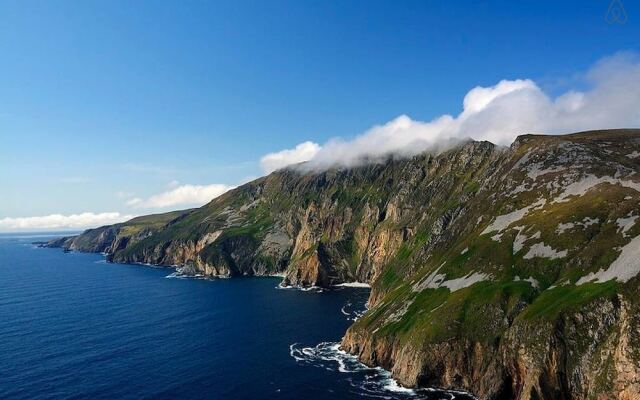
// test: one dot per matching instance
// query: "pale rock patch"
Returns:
(461, 283)
(586, 222)
(208, 238)
(518, 242)
(634, 154)
(534, 170)
(436, 280)
(532, 281)
(523, 187)
(626, 223)
(580, 187)
(544, 251)
(625, 267)
(503, 221)
(562, 227)
(399, 313)
(431, 281)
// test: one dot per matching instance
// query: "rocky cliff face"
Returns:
(509, 272)
(587, 354)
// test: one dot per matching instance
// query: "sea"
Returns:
(73, 326)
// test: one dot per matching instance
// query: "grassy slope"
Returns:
(434, 315)
(426, 190)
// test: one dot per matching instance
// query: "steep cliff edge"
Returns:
(535, 294)
(509, 272)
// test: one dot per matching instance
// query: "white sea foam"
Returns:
(180, 274)
(329, 356)
(176, 275)
(354, 284)
(314, 289)
(392, 385)
(352, 311)
(373, 382)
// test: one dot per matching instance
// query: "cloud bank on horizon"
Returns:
(59, 221)
(497, 113)
(176, 197)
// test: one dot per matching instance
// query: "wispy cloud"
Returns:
(497, 113)
(59, 221)
(184, 195)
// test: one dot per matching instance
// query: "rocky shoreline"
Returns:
(506, 272)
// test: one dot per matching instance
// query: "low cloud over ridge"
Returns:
(302, 152)
(497, 113)
(609, 98)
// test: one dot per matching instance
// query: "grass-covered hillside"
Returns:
(510, 272)
(111, 238)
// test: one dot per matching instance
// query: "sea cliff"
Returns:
(509, 272)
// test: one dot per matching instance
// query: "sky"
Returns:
(111, 109)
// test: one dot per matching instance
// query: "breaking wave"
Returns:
(353, 311)
(180, 275)
(354, 284)
(371, 382)
(314, 289)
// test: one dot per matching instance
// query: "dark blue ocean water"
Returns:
(73, 326)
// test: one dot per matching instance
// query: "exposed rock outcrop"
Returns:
(508, 272)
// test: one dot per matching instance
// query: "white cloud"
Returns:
(59, 221)
(185, 195)
(302, 152)
(609, 98)
(497, 113)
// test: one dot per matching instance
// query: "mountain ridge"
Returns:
(510, 272)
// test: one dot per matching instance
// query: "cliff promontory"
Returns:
(508, 272)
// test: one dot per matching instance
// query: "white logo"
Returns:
(616, 13)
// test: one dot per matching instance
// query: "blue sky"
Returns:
(104, 104)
